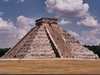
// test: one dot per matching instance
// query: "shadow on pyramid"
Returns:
(48, 40)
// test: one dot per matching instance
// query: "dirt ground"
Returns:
(50, 66)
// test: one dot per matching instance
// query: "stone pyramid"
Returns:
(48, 40)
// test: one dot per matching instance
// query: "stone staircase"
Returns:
(59, 41)
(77, 49)
(40, 46)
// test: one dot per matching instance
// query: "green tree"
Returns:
(3, 51)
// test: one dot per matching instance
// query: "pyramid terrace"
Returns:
(48, 40)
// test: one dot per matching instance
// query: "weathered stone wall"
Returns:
(78, 50)
(47, 20)
(48, 40)
(40, 46)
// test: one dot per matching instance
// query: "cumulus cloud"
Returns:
(86, 37)
(89, 21)
(64, 22)
(67, 8)
(7, 33)
(21, 0)
(1, 13)
(6, 0)
(6, 26)
(90, 39)
(72, 9)
(24, 25)
(96, 31)
(24, 22)
(10, 34)
(72, 33)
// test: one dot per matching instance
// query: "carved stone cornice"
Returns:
(47, 20)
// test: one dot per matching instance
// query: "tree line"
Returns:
(3, 51)
(95, 49)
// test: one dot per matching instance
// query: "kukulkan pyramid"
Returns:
(48, 40)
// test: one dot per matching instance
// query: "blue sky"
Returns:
(80, 18)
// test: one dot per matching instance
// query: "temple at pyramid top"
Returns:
(48, 40)
(47, 20)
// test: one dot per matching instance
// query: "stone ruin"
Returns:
(48, 40)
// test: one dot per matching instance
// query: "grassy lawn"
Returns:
(50, 66)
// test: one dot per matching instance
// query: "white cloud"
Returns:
(74, 34)
(72, 9)
(24, 22)
(64, 22)
(24, 25)
(89, 21)
(87, 37)
(1, 13)
(95, 32)
(21, 0)
(6, 0)
(10, 34)
(67, 8)
(6, 26)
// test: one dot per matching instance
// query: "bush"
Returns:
(3, 51)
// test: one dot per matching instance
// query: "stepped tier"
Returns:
(48, 40)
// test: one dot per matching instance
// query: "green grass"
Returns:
(50, 66)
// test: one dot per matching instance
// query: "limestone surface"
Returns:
(48, 40)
